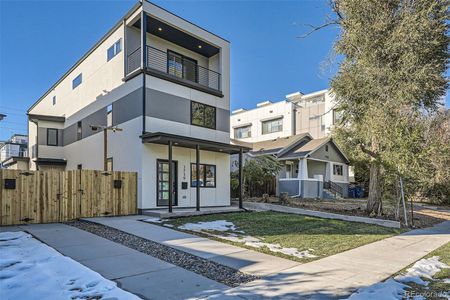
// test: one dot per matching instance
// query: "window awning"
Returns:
(189, 142)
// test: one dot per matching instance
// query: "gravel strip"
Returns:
(202, 266)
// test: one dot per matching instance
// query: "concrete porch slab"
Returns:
(187, 212)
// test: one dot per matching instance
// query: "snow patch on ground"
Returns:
(231, 233)
(394, 288)
(153, 220)
(30, 269)
(424, 268)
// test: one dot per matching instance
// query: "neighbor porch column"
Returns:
(241, 179)
(197, 174)
(170, 177)
(303, 174)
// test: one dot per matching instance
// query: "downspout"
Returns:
(143, 66)
(294, 120)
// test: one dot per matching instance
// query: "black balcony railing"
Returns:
(176, 66)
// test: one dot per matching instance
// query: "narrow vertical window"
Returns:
(54, 100)
(52, 137)
(79, 131)
(109, 114)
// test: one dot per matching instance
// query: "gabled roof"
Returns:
(274, 146)
(291, 147)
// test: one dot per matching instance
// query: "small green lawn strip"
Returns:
(325, 236)
(438, 287)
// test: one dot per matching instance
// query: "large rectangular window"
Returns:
(271, 126)
(114, 50)
(338, 170)
(203, 115)
(52, 137)
(79, 131)
(207, 175)
(243, 132)
(77, 81)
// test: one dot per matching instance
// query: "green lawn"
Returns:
(437, 287)
(325, 236)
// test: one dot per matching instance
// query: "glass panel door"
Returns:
(175, 64)
(163, 183)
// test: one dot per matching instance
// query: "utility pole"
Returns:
(105, 140)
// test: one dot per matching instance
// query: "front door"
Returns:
(163, 183)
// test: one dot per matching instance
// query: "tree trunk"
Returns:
(374, 200)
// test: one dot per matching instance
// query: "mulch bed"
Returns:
(202, 266)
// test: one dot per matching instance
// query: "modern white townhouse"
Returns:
(152, 96)
(13, 153)
(297, 132)
(299, 113)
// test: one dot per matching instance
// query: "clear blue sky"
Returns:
(41, 40)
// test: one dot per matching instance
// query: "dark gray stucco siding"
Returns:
(97, 118)
(167, 107)
(127, 108)
(178, 109)
(70, 134)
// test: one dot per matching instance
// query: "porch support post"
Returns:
(241, 179)
(197, 175)
(143, 40)
(170, 177)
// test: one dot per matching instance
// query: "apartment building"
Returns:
(158, 87)
(13, 153)
(311, 113)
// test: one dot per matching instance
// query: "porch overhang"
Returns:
(50, 161)
(189, 142)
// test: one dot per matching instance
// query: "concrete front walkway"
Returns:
(136, 272)
(339, 275)
(247, 261)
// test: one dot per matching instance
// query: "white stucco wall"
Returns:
(218, 196)
(256, 115)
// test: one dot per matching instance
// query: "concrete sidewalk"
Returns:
(339, 275)
(244, 260)
(136, 272)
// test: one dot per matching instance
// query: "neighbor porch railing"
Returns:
(335, 188)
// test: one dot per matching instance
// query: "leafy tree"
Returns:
(260, 171)
(392, 74)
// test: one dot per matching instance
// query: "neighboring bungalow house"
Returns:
(312, 168)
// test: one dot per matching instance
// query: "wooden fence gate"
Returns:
(57, 196)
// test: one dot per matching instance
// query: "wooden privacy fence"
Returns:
(57, 196)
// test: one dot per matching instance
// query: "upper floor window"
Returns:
(54, 100)
(79, 131)
(243, 132)
(337, 116)
(203, 115)
(114, 50)
(109, 109)
(338, 170)
(52, 137)
(271, 126)
(77, 81)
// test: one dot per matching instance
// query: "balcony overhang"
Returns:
(189, 142)
(50, 161)
(176, 36)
